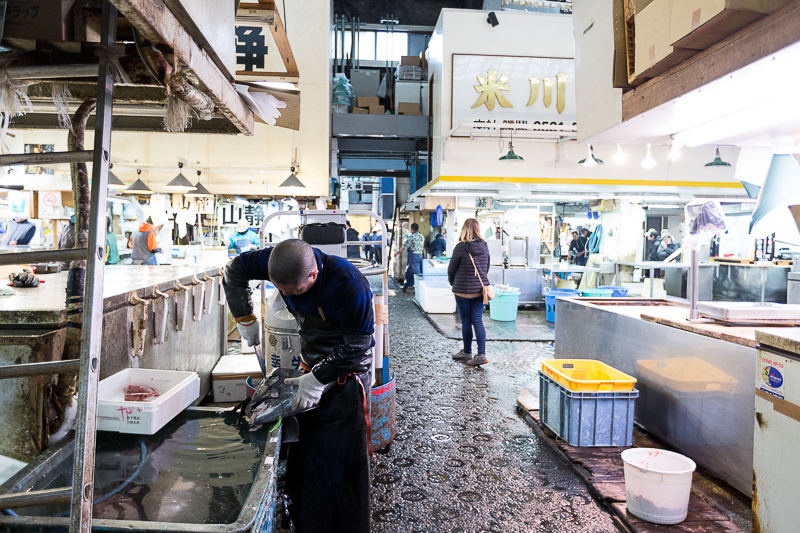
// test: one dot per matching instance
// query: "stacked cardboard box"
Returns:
(369, 105)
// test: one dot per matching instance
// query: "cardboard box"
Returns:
(654, 52)
(48, 20)
(795, 209)
(360, 110)
(229, 377)
(408, 108)
(411, 61)
(366, 101)
(376, 109)
(699, 24)
(620, 75)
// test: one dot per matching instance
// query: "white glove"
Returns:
(250, 331)
(309, 391)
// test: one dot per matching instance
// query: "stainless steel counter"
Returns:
(695, 379)
(169, 317)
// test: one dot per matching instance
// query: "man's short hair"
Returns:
(414, 227)
(290, 262)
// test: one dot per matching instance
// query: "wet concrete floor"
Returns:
(463, 459)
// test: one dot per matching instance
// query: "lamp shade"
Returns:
(138, 187)
(179, 183)
(292, 181)
(114, 182)
(511, 156)
(780, 190)
(199, 190)
(590, 160)
(718, 162)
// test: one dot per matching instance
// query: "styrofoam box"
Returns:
(229, 376)
(8, 467)
(434, 295)
(177, 390)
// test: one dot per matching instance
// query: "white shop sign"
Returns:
(534, 96)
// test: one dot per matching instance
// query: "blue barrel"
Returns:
(550, 301)
(382, 414)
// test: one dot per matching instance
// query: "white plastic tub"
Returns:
(657, 484)
(177, 390)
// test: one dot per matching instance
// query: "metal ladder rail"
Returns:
(81, 493)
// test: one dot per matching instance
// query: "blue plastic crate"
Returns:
(587, 418)
(619, 292)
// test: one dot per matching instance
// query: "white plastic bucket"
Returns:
(657, 484)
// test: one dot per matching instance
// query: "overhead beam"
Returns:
(154, 20)
(763, 37)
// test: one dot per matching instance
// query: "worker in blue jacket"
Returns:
(328, 467)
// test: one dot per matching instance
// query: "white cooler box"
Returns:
(434, 295)
(229, 376)
(177, 390)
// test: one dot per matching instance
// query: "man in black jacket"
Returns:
(328, 468)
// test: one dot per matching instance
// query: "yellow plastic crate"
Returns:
(587, 375)
(686, 375)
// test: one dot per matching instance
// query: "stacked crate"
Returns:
(587, 402)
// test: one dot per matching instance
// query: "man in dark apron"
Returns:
(328, 468)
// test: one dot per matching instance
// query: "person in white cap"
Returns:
(245, 239)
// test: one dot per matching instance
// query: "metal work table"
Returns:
(569, 269)
(119, 279)
(652, 266)
(695, 378)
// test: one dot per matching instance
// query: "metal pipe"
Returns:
(39, 369)
(81, 156)
(694, 288)
(35, 497)
(41, 256)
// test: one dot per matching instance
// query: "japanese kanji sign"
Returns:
(535, 92)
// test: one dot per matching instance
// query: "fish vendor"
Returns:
(327, 472)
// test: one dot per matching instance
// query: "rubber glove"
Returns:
(24, 279)
(250, 331)
(309, 391)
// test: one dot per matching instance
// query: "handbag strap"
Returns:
(477, 274)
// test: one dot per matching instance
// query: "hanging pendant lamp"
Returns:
(590, 160)
(199, 189)
(138, 186)
(114, 183)
(718, 162)
(511, 156)
(292, 180)
(179, 183)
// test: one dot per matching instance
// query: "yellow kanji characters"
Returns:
(490, 89)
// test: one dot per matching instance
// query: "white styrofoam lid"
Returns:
(237, 364)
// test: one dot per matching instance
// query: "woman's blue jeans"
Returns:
(470, 310)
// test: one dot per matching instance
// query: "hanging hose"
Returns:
(116, 490)
(593, 246)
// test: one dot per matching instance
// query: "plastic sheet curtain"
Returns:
(780, 190)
